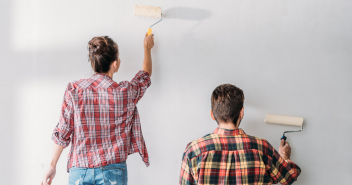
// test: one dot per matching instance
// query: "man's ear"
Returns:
(242, 113)
(212, 115)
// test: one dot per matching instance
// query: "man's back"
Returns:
(233, 157)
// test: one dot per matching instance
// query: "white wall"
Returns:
(291, 57)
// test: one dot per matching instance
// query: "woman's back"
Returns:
(103, 117)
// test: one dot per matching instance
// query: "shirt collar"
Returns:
(100, 75)
(101, 80)
(227, 132)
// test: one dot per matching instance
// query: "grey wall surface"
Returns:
(290, 57)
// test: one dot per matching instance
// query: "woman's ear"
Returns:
(115, 65)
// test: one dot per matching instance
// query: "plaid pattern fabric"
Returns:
(228, 157)
(101, 119)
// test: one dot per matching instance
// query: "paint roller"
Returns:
(147, 11)
(285, 120)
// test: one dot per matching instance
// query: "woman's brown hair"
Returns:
(102, 52)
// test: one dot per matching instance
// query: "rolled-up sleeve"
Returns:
(139, 84)
(280, 170)
(63, 130)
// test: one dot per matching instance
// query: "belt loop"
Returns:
(101, 168)
(85, 172)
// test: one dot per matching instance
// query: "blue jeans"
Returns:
(112, 174)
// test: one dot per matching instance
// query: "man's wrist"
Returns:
(286, 158)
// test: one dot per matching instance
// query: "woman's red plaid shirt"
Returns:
(101, 118)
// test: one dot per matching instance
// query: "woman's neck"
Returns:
(109, 74)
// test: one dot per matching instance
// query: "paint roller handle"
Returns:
(283, 138)
(284, 149)
(148, 41)
(149, 31)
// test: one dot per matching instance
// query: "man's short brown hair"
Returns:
(226, 103)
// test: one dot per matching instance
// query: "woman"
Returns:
(102, 119)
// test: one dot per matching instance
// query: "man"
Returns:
(230, 156)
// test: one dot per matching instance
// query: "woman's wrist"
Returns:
(53, 164)
(146, 49)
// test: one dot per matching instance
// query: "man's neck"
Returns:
(229, 126)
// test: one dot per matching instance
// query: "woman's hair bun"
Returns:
(98, 46)
(102, 52)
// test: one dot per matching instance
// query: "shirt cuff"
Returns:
(56, 138)
(143, 78)
(143, 73)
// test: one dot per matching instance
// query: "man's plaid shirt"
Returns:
(101, 118)
(228, 157)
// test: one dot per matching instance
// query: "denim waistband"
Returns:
(115, 165)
